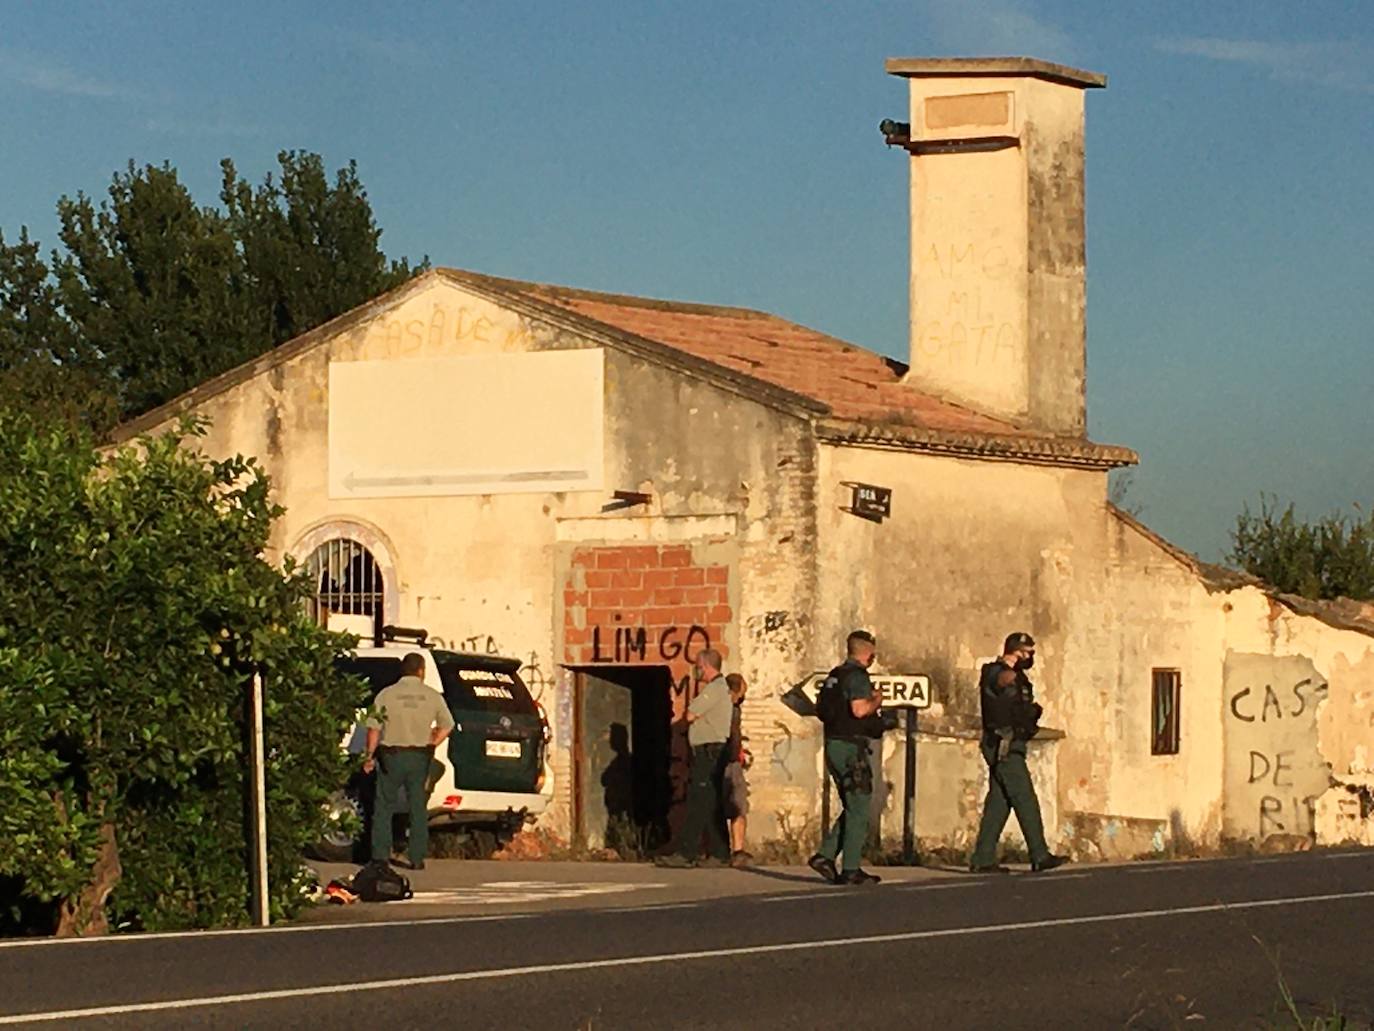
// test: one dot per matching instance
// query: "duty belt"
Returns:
(403, 748)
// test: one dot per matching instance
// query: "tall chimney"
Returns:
(997, 243)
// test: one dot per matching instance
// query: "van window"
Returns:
(481, 690)
(379, 671)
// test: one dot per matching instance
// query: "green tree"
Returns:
(1330, 558)
(151, 294)
(43, 361)
(134, 607)
(156, 285)
(311, 250)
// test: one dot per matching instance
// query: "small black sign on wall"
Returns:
(869, 502)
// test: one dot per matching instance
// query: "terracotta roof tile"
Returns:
(854, 383)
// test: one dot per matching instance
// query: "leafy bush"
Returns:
(134, 604)
(1331, 558)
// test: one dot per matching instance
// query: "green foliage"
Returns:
(42, 360)
(310, 250)
(134, 605)
(152, 294)
(1331, 558)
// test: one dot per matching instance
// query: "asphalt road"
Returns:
(1148, 946)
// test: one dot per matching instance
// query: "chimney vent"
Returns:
(997, 235)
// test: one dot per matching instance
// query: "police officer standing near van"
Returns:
(1011, 718)
(848, 706)
(412, 719)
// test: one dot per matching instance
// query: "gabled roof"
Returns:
(1341, 613)
(855, 395)
(863, 399)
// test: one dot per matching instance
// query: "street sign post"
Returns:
(258, 791)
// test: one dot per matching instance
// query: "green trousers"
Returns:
(848, 766)
(703, 805)
(394, 771)
(1009, 790)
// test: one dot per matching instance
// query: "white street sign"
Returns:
(900, 690)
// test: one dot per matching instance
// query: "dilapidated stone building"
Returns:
(602, 485)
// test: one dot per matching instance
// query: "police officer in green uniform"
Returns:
(412, 720)
(848, 706)
(1011, 718)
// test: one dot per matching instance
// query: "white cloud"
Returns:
(51, 76)
(996, 28)
(1338, 64)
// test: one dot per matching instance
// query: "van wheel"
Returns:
(343, 841)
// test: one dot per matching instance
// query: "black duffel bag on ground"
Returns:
(378, 882)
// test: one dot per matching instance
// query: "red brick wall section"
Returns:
(643, 604)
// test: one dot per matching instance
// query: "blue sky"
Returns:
(728, 152)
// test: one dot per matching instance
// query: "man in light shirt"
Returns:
(708, 726)
(412, 719)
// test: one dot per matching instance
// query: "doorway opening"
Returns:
(622, 751)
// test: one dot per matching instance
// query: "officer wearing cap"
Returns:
(1011, 718)
(848, 705)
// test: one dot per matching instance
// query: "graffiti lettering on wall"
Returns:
(972, 329)
(1274, 769)
(623, 644)
(480, 644)
(1304, 692)
(534, 676)
(1279, 813)
(400, 337)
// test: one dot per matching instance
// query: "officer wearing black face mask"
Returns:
(1010, 719)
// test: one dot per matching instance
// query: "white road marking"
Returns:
(652, 907)
(1350, 855)
(356, 925)
(803, 896)
(497, 973)
(432, 897)
(1058, 877)
(514, 893)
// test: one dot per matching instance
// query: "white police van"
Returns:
(489, 778)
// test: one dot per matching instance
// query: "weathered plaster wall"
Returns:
(997, 263)
(1275, 770)
(1277, 707)
(1158, 616)
(1299, 720)
(488, 572)
(971, 552)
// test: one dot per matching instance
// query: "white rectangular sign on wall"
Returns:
(486, 424)
(899, 690)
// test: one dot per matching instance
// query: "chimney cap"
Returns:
(988, 67)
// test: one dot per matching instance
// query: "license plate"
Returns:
(503, 749)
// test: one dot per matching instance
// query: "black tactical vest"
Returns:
(832, 705)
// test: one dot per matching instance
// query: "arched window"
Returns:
(346, 581)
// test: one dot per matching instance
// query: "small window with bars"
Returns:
(1165, 689)
(346, 580)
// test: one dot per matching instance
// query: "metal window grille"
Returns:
(1166, 686)
(346, 580)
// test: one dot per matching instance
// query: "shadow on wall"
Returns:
(618, 778)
